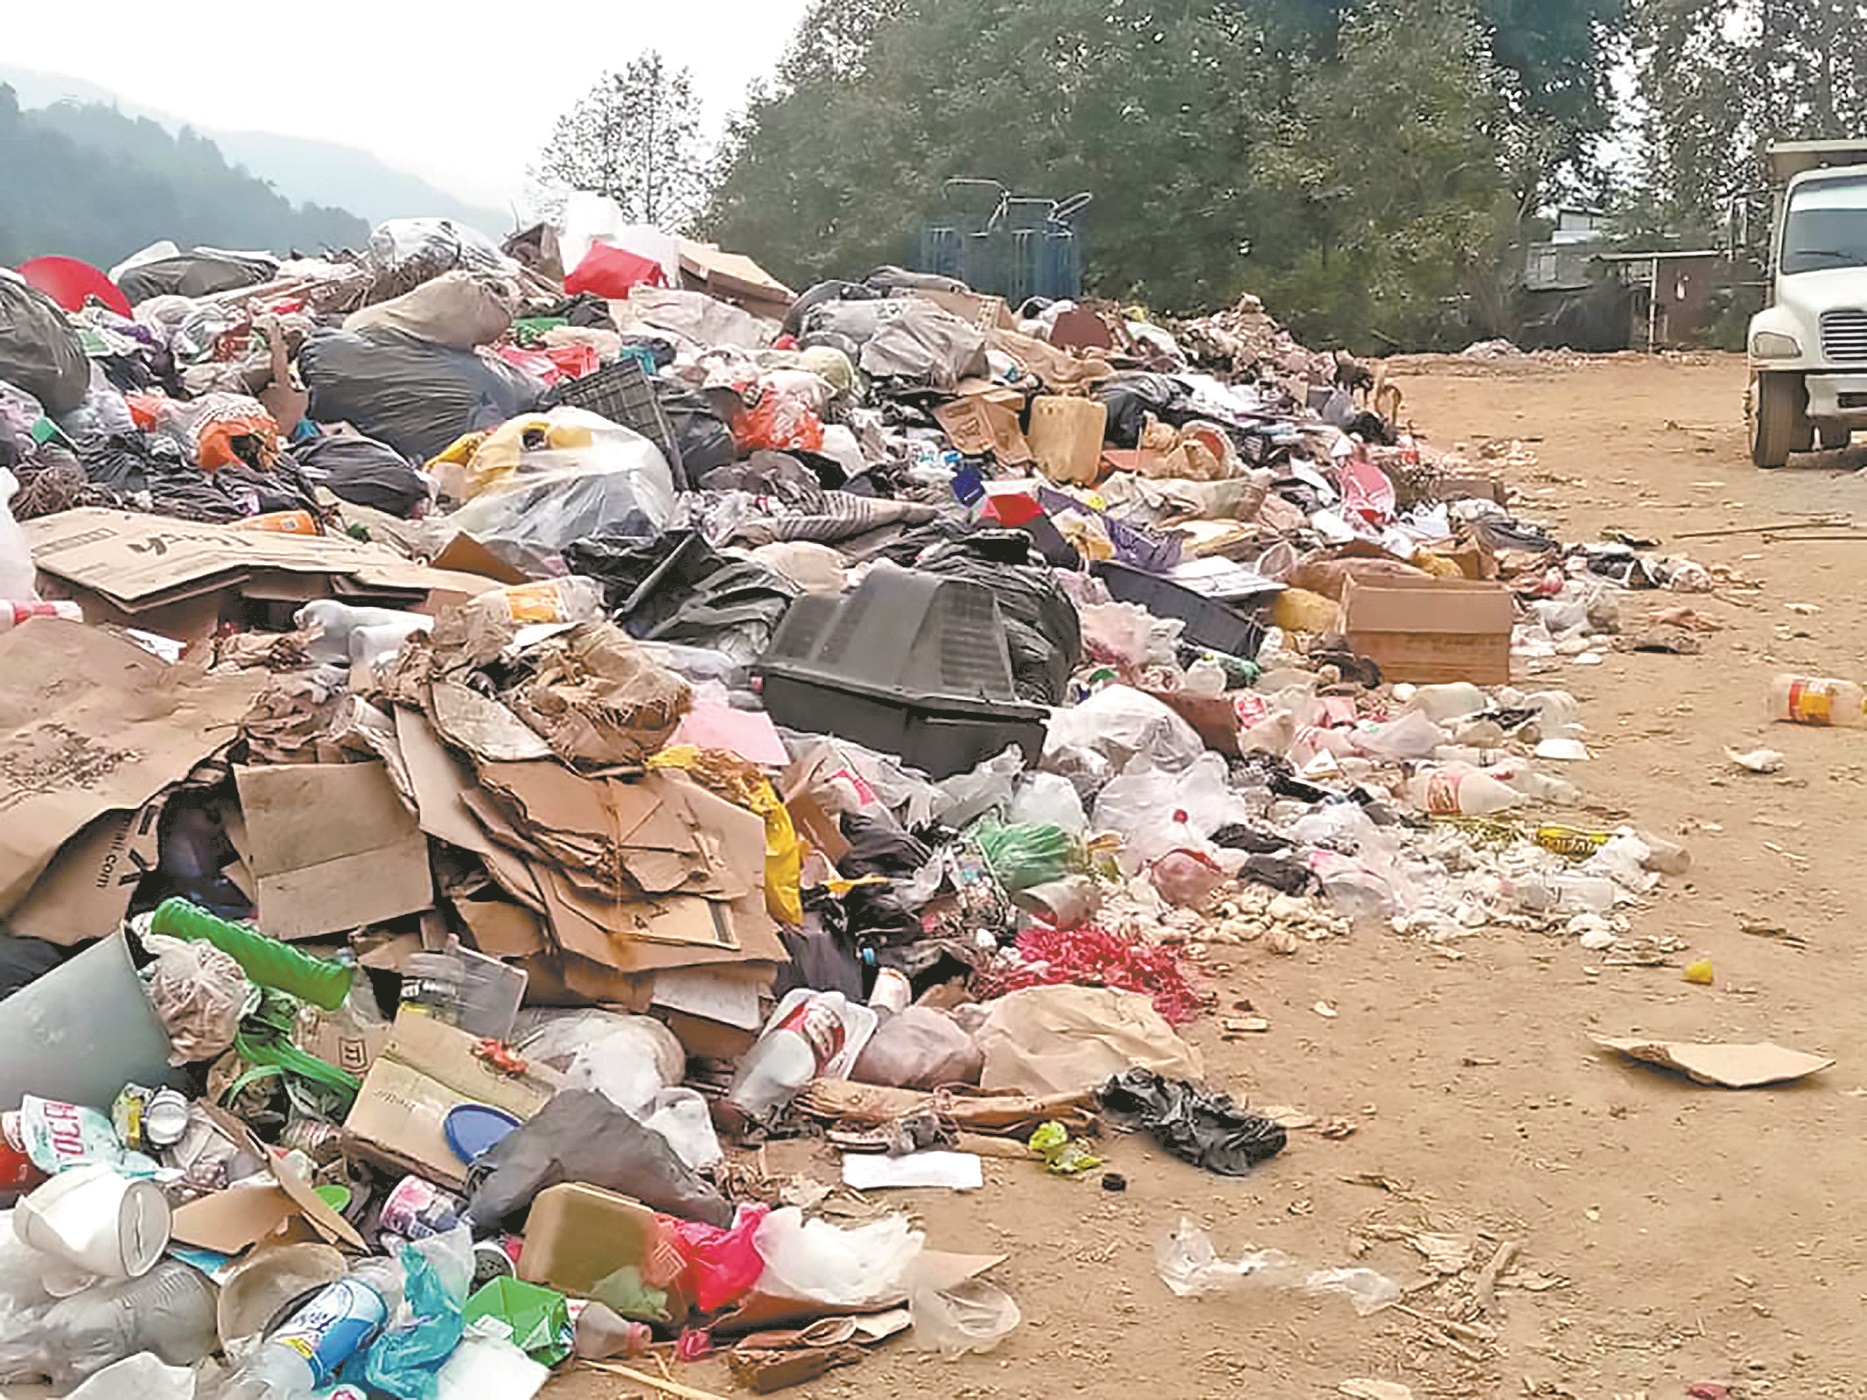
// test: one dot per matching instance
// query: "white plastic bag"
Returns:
(681, 1116)
(1119, 722)
(970, 1316)
(1155, 811)
(820, 1262)
(626, 1059)
(139, 1377)
(16, 570)
(1049, 799)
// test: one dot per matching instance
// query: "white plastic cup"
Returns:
(96, 1220)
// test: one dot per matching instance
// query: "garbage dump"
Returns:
(481, 754)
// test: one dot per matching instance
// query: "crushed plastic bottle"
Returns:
(169, 1311)
(303, 1356)
(1817, 700)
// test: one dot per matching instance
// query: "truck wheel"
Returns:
(1832, 439)
(1777, 412)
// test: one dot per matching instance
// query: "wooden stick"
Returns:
(643, 1378)
(1823, 522)
(1484, 1292)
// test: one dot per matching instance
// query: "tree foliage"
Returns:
(88, 182)
(1717, 81)
(635, 137)
(1354, 153)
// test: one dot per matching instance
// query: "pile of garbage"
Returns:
(483, 746)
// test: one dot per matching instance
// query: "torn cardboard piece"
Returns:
(86, 890)
(1726, 1066)
(332, 848)
(91, 723)
(425, 1071)
(232, 1221)
(440, 782)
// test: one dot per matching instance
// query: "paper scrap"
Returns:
(958, 1171)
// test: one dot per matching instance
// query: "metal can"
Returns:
(418, 1209)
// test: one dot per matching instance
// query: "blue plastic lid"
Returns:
(474, 1129)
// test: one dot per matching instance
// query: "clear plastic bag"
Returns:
(1120, 723)
(1048, 799)
(969, 1316)
(1191, 1267)
(965, 797)
(820, 1262)
(139, 1377)
(199, 993)
(627, 1059)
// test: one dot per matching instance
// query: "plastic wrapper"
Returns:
(969, 1316)
(406, 1360)
(719, 1267)
(819, 1262)
(1190, 1265)
(779, 422)
(199, 992)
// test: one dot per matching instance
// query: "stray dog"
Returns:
(1369, 386)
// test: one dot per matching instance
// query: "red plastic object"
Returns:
(779, 424)
(609, 272)
(720, 1266)
(1099, 957)
(71, 283)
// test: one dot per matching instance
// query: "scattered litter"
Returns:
(1191, 1267)
(1757, 760)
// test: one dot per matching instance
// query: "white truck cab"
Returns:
(1808, 347)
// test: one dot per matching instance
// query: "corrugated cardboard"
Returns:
(86, 890)
(332, 848)
(91, 723)
(975, 309)
(440, 781)
(427, 1070)
(1427, 631)
(136, 562)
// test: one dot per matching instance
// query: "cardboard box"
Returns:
(426, 1070)
(86, 890)
(287, 1211)
(1427, 631)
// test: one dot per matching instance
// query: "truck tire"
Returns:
(1777, 413)
(1833, 439)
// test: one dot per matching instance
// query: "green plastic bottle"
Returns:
(267, 961)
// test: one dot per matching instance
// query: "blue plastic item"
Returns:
(474, 1129)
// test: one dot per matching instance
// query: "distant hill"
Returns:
(301, 169)
(93, 183)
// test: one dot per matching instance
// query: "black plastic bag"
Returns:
(1131, 397)
(678, 588)
(363, 471)
(414, 395)
(582, 1136)
(39, 351)
(1043, 632)
(1192, 1123)
(704, 438)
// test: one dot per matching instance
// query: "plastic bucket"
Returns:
(83, 1031)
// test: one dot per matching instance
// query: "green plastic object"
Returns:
(267, 961)
(539, 1317)
(1027, 854)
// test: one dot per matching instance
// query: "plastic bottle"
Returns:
(267, 961)
(1460, 792)
(1817, 700)
(337, 622)
(601, 1334)
(811, 1034)
(1453, 700)
(169, 1311)
(302, 1357)
(1539, 787)
(14, 613)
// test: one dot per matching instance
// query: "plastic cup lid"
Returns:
(474, 1129)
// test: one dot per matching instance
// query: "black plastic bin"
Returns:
(1209, 623)
(910, 664)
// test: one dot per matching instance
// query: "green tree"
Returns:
(635, 137)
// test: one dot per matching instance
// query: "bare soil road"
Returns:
(1669, 1233)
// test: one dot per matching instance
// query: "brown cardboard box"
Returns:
(85, 891)
(426, 1070)
(231, 1221)
(1429, 630)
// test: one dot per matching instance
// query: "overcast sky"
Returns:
(463, 94)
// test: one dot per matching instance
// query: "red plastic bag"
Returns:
(778, 423)
(721, 1266)
(610, 272)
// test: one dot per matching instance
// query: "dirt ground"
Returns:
(1670, 1233)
